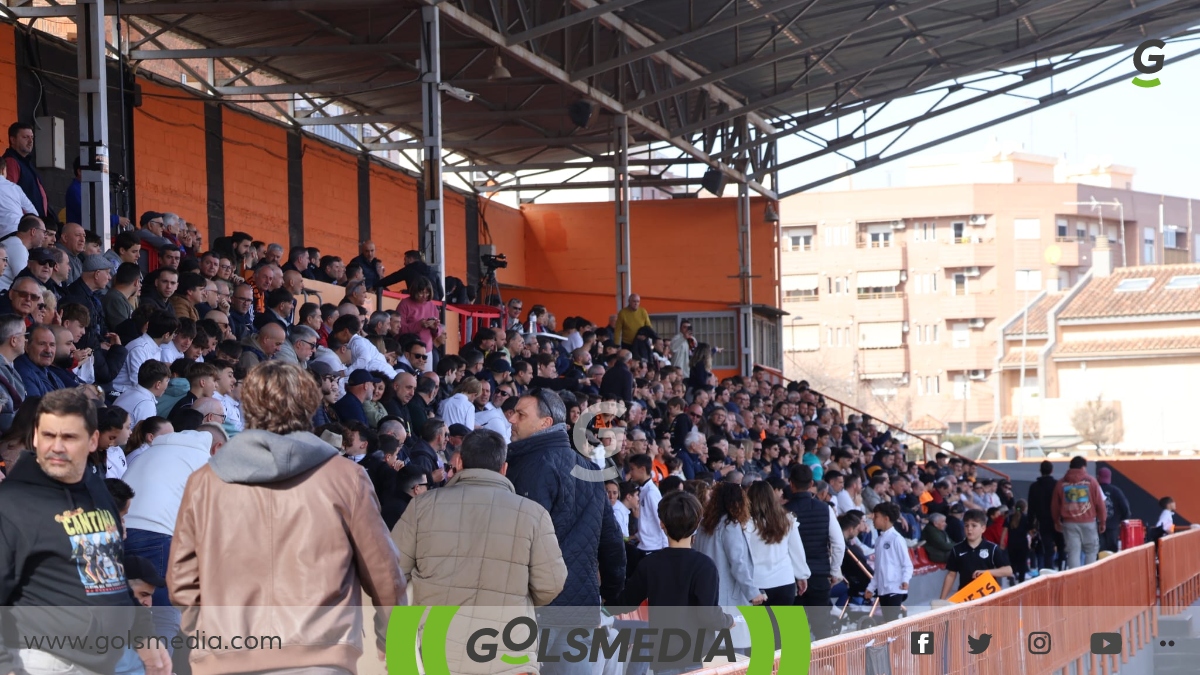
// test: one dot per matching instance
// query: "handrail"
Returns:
(1177, 575)
(925, 442)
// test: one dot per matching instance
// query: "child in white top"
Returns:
(1166, 520)
(893, 566)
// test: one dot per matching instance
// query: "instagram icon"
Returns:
(1039, 643)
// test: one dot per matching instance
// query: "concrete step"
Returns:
(1175, 660)
(1176, 626)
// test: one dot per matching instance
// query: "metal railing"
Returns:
(888, 295)
(1178, 574)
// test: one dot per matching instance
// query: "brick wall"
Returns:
(394, 216)
(330, 200)
(255, 177)
(169, 155)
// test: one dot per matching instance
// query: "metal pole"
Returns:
(431, 129)
(621, 206)
(746, 312)
(93, 119)
(1021, 384)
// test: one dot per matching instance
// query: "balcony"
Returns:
(1068, 252)
(970, 306)
(871, 256)
(981, 357)
(876, 362)
(968, 252)
(882, 306)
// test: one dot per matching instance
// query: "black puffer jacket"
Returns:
(592, 546)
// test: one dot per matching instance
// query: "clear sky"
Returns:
(1155, 131)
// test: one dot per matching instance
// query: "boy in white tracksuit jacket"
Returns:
(893, 566)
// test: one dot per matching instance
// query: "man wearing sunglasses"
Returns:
(414, 358)
(24, 297)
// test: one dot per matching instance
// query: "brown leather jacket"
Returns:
(279, 536)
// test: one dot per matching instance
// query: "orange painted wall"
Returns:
(256, 191)
(1165, 477)
(394, 216)
(8, 74)
(169, 155)
(330, 200)
(454, 219)
(684, 253)
(506, 227)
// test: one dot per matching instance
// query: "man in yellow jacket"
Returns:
(629, 320)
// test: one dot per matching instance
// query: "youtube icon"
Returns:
(1107, 644)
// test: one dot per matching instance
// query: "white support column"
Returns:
(93, 119)
(621, 205)
(745, 276)
(431, 128)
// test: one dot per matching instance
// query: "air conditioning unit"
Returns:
(904, 378)
(903, 275)
(897, 224)
(978, 219)
(977, 374)
(904, 327)
(976, 323)
(971, 271)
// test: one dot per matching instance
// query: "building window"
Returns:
(1061, 224)
(1029, 280)
(1080, 231)
(960, 284)
(962, 387)
(934, 387)
(920, 386)
(1027, 228)
(1148, 245)
(798, 239)
(933, 334)
(1169, 236)
(926, 232)
(920, 334)
(881, 239)
(829, 336)
(960, 335)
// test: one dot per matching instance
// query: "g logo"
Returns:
(1148, 64)
(612, 439)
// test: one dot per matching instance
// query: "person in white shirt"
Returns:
(1166, 519)
(158, 479)
(14, 204)
(893, 566)
(177, 348)
(681, 346)
(363, 354)
(229, 395)
(160, 331)
(488, 416)
(114, 434)
(780, 565)
(143, 436)
(460, 408)
(651, 536)
(141, 401)
(618, 493)
(30, 234)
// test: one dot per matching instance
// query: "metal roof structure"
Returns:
(710, 83)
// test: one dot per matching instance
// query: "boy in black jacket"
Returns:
(61, 546)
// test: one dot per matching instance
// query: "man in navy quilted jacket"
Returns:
(540, 464)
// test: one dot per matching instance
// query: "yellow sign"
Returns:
(984, 585)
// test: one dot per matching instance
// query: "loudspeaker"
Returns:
(580, 113)
(714, 181)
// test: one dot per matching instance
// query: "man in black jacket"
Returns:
(414, 268)
(1116, 507)
(424, 453)
(1041, 493)
(61, 545)
(617, 384)
(543, 467)
(824, 548)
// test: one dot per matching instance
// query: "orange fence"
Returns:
(1113, 595)
(1179, 570)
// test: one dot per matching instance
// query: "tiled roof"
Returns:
(1013, 357)
(1037, 315)
(1181, 343)
(1100, 299)
(1008, 428)
(927, 423)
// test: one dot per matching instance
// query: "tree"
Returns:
(1099, 423)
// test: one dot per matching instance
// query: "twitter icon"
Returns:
(979, 645)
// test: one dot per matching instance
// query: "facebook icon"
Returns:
(922, 642)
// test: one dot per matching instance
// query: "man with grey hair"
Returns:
(543, 467)
(12, 345)
(299, 347)
(73, 241)
(525, 567)
(937, 543)
(274, 255)
(379, 323)
(694, 454)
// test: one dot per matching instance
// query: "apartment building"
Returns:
(896, 295)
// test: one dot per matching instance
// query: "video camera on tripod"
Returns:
(489, 287)
(491, 263)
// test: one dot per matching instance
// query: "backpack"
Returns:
(1110, 505)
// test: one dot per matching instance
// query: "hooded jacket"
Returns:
(592, 546)
(61, 545)
(1077, 499)
(280, 531)
(1041, 494)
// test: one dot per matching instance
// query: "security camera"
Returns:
(460, 94)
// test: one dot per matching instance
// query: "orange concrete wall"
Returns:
(506, 227)
(169, 155)
(684, 253)
(1165, 478)
(8, 74)
(394, 216)
(256, 191)
(330, 200)
(454, 220)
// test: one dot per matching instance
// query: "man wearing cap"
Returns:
(350, 406)
(457, 433)
(151, 237)
(88, 290)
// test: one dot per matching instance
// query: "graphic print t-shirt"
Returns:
(1077, 499)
